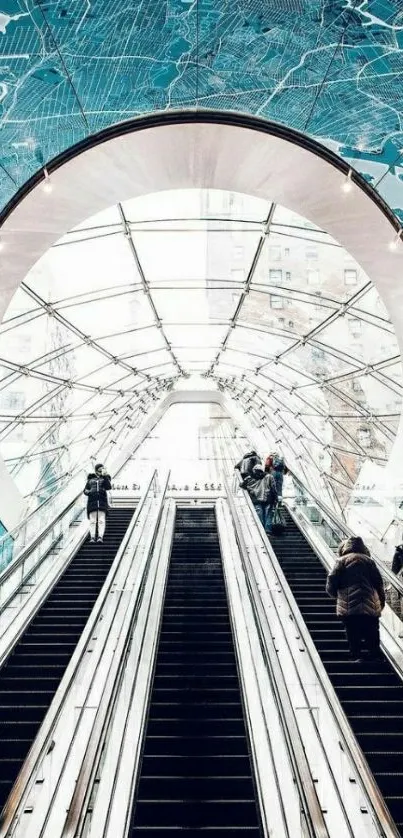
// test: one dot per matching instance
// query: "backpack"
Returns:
(247, 465)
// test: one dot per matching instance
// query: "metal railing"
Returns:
(76, 719)
(25, 534)
(333, 529)
(374, 799)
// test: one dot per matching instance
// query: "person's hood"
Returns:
(353, 558)
(92, 476)
(353, 544)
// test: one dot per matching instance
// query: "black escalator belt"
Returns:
(371, 694)
(32, 673)
(196, 772)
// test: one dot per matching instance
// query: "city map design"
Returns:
(331, 69)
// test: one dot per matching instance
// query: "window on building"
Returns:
(275, 253)
(275, 277)
(238, 274)
(356, 386)
(12, 400)
(276, 302)
(318, 353)
(350, 276)
(288, 276)
(313, 277)
(286, 251)
(238, 251)
(311, 253)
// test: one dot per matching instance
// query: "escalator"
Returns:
(32, 673)
(196, 771)
(371, 694)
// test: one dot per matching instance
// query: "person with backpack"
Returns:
(263, 493)
(246, 465)
(357, 585)
(96, 488)
(276, 466)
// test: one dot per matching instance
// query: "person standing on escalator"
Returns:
(96, 489)
(263, 493)
(357, 585)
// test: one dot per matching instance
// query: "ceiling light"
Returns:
(347, 185)
(1, 244)
(394, 243)
(48, 185)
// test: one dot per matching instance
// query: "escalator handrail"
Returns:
(390, 577)
(384, 819)
(309, 798)
(42, 741)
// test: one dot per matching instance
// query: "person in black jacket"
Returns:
(357, 585)
(96, 488)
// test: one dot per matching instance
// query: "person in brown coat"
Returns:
(357, 584)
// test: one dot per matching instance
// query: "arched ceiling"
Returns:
(331, 69)
(259, 301)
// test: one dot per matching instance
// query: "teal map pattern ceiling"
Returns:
(331, 69)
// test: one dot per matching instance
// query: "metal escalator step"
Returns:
(232, 812)
(196, 727)
(198, 788)
(34, 712)
(190, 745)
(196, 710)
(190, 832)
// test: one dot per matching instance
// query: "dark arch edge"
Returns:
(182, 117)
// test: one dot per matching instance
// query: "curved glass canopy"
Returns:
(252, 297)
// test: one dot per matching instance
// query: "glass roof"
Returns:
(331, 70)
(249, 295)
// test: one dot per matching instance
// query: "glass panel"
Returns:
(141, 340)
(315, 267)
(129, 311)
(105, 263)
(361, 340)
(195, 305)
(192, 255)
(282, 312)
(195, 335)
